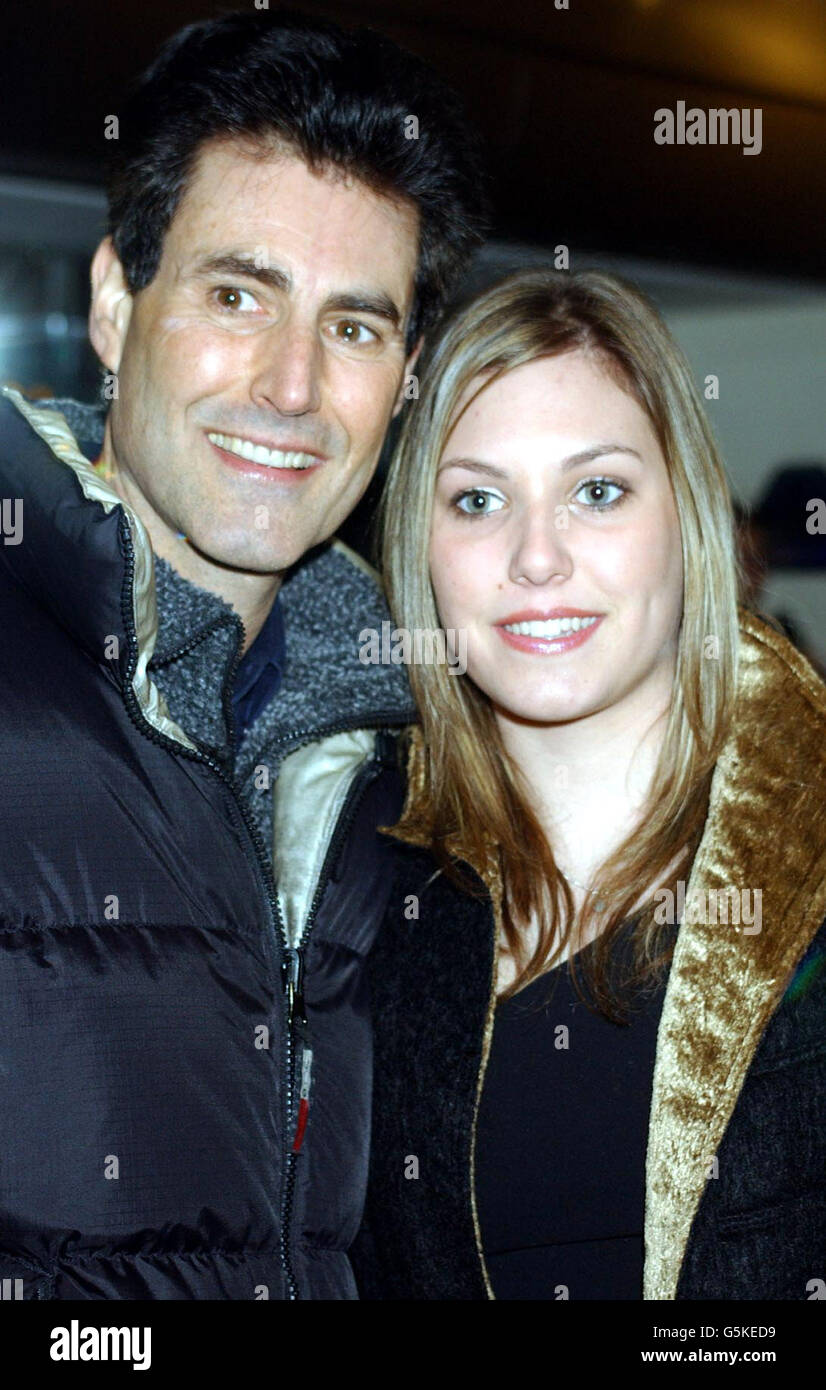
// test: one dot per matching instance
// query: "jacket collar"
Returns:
(764, 829)
(89, 559)
(84, 554)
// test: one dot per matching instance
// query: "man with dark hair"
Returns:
(195, 758)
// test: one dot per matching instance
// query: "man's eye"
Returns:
(477, 501)
(351, 332)
(230, 297)
(597, 493)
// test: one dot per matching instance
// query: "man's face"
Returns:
(259, 370)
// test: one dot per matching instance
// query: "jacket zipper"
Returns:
(164, 741)
(297, 1023)
(292, 963)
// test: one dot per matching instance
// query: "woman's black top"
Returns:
(561, 1142)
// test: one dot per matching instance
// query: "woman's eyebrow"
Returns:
(596, 451)
(474, 466)
(572, 461)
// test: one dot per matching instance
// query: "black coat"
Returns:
(741, 1053)
(149, 1076)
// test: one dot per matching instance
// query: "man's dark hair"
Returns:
(335, 98)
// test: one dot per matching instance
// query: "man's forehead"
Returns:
(266, 203)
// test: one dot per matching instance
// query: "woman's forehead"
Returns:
(547, 394)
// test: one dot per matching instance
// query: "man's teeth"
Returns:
(259, 453)
(549, 627)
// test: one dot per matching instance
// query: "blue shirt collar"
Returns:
(260, 670)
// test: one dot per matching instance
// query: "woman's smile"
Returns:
(546, 634)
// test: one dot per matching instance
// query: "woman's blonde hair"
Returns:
(472, 788)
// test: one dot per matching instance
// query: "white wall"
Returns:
(771, 364)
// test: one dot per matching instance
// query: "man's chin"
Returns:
(243, 558)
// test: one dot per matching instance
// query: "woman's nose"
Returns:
(541, 550)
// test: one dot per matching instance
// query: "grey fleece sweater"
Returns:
(327, 599)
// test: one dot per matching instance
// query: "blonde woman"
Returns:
(599, 993)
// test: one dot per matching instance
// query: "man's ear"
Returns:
(111, 307)
(408, 372)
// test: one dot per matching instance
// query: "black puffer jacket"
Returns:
(153, 1140)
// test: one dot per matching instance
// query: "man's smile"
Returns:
(262, 454)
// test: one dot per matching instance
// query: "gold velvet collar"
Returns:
(765, 830)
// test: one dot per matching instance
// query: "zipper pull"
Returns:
(293, 972)
(298, 1026)
(303, 1098)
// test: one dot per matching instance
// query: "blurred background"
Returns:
(730, 246)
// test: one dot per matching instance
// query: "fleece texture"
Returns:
(327, 600)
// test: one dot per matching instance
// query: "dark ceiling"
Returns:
(565, 98)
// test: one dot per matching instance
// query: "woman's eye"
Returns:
(230, 297)
(597, 493)
(478, 501)
(351, 332)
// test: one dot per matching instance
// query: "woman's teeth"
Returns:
(259, 453)
(548, 627)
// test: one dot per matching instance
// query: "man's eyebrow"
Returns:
(572, 461)
(376, 303)
(228, 264)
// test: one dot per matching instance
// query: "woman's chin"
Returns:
(541, 709)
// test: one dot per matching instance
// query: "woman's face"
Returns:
(555, 544)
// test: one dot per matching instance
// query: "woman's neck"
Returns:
(589, 779)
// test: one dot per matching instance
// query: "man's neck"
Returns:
(250, 595)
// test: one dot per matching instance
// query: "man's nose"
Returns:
(288, 367)
(541, 551)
